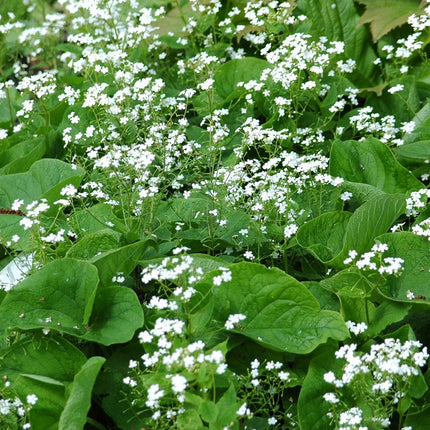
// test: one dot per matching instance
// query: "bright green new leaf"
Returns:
(281, 313)
(78, 404)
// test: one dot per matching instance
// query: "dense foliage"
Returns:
(214, 214)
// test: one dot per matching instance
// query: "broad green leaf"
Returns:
(21, 156)
(370, 220)
(385, 314)
(281, 313)
(95, 218)
(190, 419)
(324, 235)
(227, 407)
(52, 357)
(312, 408)
(116, 316)
(354, 282)
(60, 296)
(123, 259)
(371, 162)
(229, 74)
(45, 414)
(415, 251)
(208, 411)
(78, 404)
(45, 179)
(422, 118)
(339, 23)
(417, 151)
(112, 390)
(385, 15)
(94, 243)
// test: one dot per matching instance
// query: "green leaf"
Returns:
(370, 220)
(95, 218)
(414, 250)
(385, 15)
(45, 179)
(52, 357)
(312, 408)
(21, 156)
(281, 313)
(123, 259)
(94, 243)
(371, 162)
(324, 235)
(227, 407)
(78, 404)
(116, 316)
(45, 414)
(422, 118)
(417, 151)
(229, 74)
(339, 23)
(62, 292)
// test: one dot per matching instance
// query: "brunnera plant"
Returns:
(214, 214)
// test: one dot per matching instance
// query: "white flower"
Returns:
(396, 88)
(179, 383)
(243, 410)
(232, 320)
(331, 398)
(272, 421)
(32, 399)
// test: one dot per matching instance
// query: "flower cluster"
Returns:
(373, 260)
(380, 378)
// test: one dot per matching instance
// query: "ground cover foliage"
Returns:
(214, 214)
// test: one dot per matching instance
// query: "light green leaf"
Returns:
(21, 156)
(94, 243)
(281, 313)
(227, 407)
(78, 404)
(324, 235)
(123, 259)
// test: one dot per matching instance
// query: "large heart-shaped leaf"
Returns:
(281, 313)
(371, 162)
